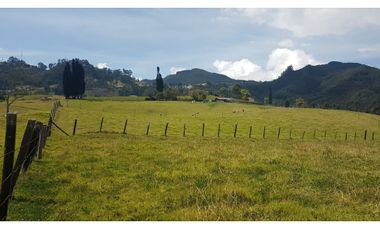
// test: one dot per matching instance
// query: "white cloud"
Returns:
(174, 70)
(241, 70)
(314, 22)
(102, 66)
(281, 58)
(278, 61)
(287, 43)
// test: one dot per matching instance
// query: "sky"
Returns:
(247, 44)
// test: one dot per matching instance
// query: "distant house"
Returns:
(223, 99)
(228, 99)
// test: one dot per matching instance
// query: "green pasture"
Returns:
(132, 176)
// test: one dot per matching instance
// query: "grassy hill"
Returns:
(115, 176)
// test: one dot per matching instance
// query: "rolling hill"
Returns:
(337, 85)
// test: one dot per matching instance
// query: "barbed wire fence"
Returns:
(32, 145)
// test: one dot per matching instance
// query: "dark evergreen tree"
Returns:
(73, 80)
(66, 80)
(270, 96)
(159, 81)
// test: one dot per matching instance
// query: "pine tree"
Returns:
(159, 81)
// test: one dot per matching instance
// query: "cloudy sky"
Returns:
(249, 44)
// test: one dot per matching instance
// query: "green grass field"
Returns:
(113, 176)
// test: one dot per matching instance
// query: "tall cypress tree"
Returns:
(159, 81)
(66, 80)
(73, 80)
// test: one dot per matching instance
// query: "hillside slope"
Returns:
(338, 85)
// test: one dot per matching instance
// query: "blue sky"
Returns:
(255, 44)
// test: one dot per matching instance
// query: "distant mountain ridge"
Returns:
(197, 76)
(338, 85)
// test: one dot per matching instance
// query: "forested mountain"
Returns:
(338, 85)
(197, 76)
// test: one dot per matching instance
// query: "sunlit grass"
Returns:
(112, 176)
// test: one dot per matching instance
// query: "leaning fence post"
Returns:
(125, 126)
(235, 132)
(264, 133)
(365, 135)
(24, 149)
(40, 142)
(184, 130)
(250, 131)
(203, 129)
(75, 127)
(303, 135)
(33, 146)
(101, 125)
(166, 129)
(278, 133)
(49, 125)
(219, 130)
(44, 128)
(9, 150)
(147, 129)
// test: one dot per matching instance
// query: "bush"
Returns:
(198, 94)
(170, 94)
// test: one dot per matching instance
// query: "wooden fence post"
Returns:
(365, 135)
(325, 134)
(203, 129)
(49, 125)
(278, 133)
(33, 146)
(235, 132)
(290, 134)
(166, 129)
(250, 131)
(40, 142)
(373, 136)
(44, 135)
(264, 133)
(184, 130)
(75, 127)
(315, 131)
(101, 125)
(125, 126)
(24, 149)
(345, 137)
(9, 150)
(303, 135)
(147, 129)
(219, 130)
(355, 136)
